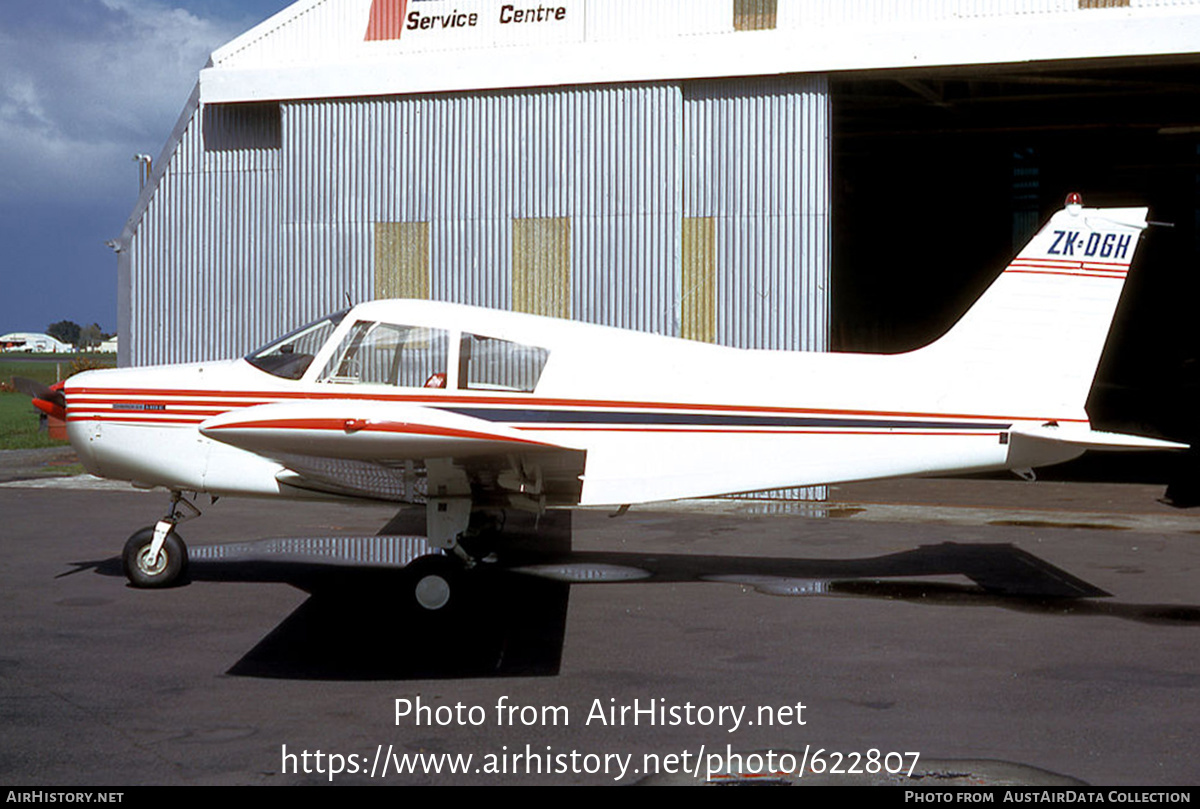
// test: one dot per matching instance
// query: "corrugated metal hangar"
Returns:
(708, 169)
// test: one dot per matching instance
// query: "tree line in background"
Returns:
(82, 337)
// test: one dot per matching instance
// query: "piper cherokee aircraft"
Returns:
(468, 410)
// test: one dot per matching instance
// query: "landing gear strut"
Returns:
(459, 526)
(155, 556)
(448, 506)
(435, 580)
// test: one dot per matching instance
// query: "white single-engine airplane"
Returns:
(468, 410)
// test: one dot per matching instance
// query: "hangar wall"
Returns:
(478, 169)
(696, 209)
(203, 262)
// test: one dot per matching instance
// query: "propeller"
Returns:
(49, 399)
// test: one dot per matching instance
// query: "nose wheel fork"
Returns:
(155, 556)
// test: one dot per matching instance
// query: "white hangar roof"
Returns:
(341, 48)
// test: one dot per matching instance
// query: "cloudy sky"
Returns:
(85, 85)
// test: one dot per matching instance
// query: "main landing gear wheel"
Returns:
(164, 569)
(434, 580)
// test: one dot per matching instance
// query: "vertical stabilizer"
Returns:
(1029, 347)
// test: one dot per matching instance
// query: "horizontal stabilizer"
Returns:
(1083, 437)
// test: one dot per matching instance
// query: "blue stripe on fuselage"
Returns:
(531, 416)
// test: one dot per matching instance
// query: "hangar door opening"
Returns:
(940, 177)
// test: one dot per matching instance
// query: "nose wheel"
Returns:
(155, 556)
(146, 566)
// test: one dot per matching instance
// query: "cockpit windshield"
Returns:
(289, 356)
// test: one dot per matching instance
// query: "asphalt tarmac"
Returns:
(934, 632)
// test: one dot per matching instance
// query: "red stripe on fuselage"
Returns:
(238, 399)
(757, 431)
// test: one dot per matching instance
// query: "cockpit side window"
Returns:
(289, 356)
(375, 353)
(489, 363)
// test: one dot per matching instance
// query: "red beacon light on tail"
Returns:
(1074, 203)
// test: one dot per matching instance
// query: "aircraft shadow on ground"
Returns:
(508, 618)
